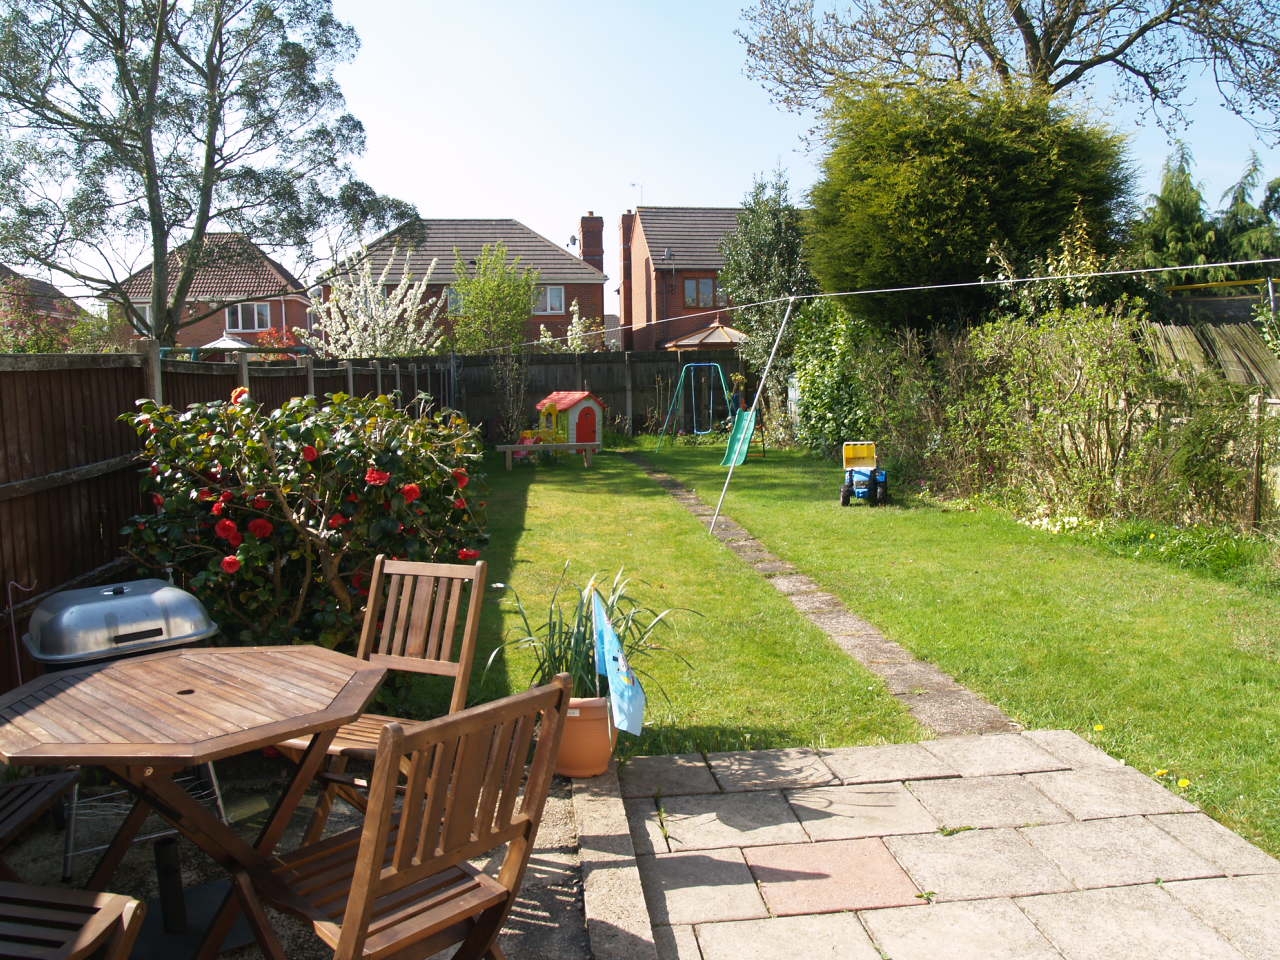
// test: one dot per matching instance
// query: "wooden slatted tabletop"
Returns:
(182, 707)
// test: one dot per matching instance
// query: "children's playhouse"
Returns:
(568, 416)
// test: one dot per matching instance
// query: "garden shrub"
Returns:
(273, 518)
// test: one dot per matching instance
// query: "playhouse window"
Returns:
(550, 300)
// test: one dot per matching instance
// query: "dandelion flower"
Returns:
(1184, 782)
(1162, 773)
(1099, 727)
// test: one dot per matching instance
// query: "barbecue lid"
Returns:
(100, 622)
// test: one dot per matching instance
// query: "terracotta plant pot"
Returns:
(589, 738)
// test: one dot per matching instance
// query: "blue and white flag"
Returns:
(626, 696)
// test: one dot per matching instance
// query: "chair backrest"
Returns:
(449, 790)
(424, 617)
(67, 924)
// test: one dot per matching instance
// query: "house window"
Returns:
(249, 317)
(550, 300)
(703, 292)
(454, 299)
(144, 311)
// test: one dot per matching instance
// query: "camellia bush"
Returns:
(273, 518)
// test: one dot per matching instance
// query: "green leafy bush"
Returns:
(273, 518)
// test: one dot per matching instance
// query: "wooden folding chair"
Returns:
(23, 802)
(401, 885)
(421, 618)
(55, 923)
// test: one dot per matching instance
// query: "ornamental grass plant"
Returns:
(564, 641)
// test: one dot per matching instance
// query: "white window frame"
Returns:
(259, 313)
(542, 306)
(144, 310)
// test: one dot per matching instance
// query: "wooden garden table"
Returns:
(145, 719)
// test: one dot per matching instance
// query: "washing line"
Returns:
(925, 288)
(791, 302)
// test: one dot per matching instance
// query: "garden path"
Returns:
(934, 698)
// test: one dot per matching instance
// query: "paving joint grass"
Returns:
(933, 697)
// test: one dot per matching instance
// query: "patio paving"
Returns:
(1034, 846)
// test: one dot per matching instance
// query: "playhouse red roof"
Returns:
(564, 399)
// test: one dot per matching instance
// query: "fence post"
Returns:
(351, 377)
(152, 375)
(630, 404)
(242, 368)
(377, 378)
(1255, 517)
(311, 375)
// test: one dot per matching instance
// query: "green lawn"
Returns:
(1180, 672)
(759, 674)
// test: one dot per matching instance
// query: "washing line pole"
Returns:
(791, 302)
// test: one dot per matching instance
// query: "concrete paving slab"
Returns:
(797, 583)
(832, 936)
(986, 802)
(829, 877)
(699, 887)
(666, 776)
(977, 865)
(1230, 852)
(676, 943)
(879, 764)
(705, 822)
(1072, 749)
(993, 755)
(644, 825)
(1125, 923)
(769, 769)
(1242, 909)
(970, 930)
(1112, 853)
(1099, 793)
(913, 677)
(865, 810)
(958, 713)
(816, 601)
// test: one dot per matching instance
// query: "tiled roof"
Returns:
(43, 298)
(566, 399)
(233, 268)
(709, 337)
(424, 240)
(692, 234)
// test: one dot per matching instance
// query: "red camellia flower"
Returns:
(410, 492)
(217, 508)
(460, 478)
(230, 564)
(261, 527)
(261, 503)
(207, 494)
(375, 477)
(337, 520)
(227, 496)
(353, 498)
(155, 469)
(466, 553)
(239, 395)
(157, 499)
(225, 529)
(235, 539)
(459, 504)
(309, 453)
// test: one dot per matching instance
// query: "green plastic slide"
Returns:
(744, 426)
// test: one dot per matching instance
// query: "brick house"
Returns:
(238, 292)
(562, 276)
(26, 296)
(671, 262)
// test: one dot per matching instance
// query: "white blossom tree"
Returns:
(366, 316)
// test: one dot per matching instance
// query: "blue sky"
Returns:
(543, 111)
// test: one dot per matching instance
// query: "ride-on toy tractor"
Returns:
(863, 478)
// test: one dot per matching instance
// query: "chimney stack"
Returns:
(591, 235)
